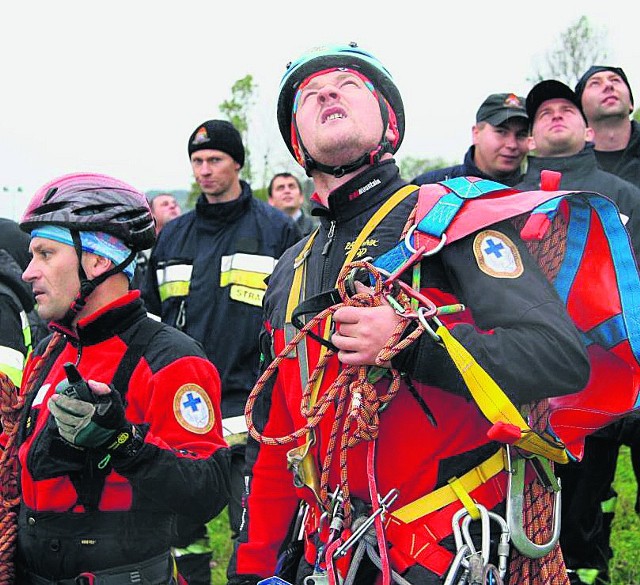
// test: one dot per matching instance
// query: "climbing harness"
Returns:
(444, 213)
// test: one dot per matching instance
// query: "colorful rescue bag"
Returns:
(583, 247)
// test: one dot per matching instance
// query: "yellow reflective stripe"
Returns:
(493, 402)
(249, 262)
(173, 289)
(445, 495)
(26, 330)
(14, 374)
(174, 272)
(244, 277)
(244, 294)
(12, 363)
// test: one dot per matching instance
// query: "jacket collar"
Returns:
(362, 192)
(581, 163)
(108, 321)
(225, 212)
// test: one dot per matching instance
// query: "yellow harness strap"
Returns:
(450, 493)
(309, 470)
(494, 403)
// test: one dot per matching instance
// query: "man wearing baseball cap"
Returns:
(499, 143)
(607, 100)
(563, 142)
(206, 277)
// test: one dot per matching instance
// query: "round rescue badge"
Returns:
(497, 255)
(193, 409)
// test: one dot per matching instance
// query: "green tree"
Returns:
(410, 166)
(578, 47)
(236, 109)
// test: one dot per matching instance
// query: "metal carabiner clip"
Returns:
(361, 530)
(515, 509)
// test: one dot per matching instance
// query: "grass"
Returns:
(220, 536)
(625, 534)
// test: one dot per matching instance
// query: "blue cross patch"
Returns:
(193, 409)
(497, 255)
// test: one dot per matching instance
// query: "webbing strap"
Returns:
(447, 494)
(494, 403)
(296, 296)
(464, 497)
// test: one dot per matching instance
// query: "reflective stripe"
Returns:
(174, 272)
(246, 270)
(233, 425)
(244, 294)
(245, 278)
(11, 363)
(173, 289)
(174, 280)
(251, 262)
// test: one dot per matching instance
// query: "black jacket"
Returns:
(581, 172)
(221, 254)
(467, 169)
(15, 295)
(627, 165)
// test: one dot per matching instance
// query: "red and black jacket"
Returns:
(82, 511)
(516, 328)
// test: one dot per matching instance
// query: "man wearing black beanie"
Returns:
(607, 101)
(206, 277)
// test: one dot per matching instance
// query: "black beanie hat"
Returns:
(217, 135)
(597, 69)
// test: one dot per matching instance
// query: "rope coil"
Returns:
(11, 406)
(357, 401)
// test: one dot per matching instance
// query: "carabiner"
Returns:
(515, 509)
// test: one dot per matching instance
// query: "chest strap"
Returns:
(299, 458)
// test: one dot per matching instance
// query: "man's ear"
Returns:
(531, 143)
(589, 134)
(474, 134)
(95, 265)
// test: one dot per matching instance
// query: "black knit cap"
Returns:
(597, 69)
(217, 135)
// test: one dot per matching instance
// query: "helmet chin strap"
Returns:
(87, 286)
(370, 158)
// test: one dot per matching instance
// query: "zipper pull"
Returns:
(327, 246)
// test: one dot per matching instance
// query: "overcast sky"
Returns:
(117, 87)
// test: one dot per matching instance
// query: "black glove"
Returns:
(91, 425)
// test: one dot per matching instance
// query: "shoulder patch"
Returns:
(193, 409)
(497, 255)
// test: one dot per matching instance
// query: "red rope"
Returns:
(357, 402)
(11, 404)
